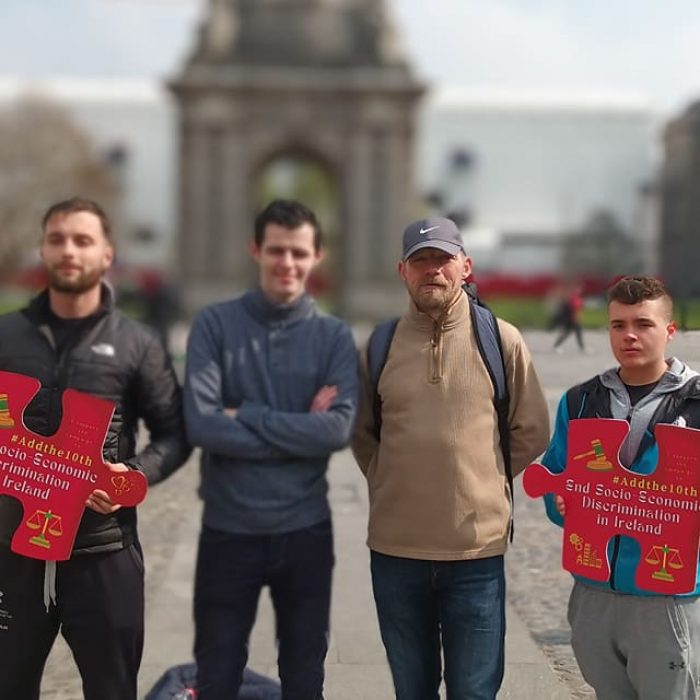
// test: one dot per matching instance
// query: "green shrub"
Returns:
(536, 313)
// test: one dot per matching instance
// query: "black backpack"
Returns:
(181, 681)
(488, 340)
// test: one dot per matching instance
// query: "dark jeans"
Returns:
(99, 612)
(567, 330)
(231, 571)
(457, 606)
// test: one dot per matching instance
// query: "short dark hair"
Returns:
(75, 205)
(634, 289)
(290, 214)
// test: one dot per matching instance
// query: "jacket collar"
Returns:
(453, 316)
(38, 309)
(676, 375)
(268, 312)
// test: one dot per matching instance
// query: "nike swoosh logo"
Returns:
(425, 230)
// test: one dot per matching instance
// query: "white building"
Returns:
(528, 168)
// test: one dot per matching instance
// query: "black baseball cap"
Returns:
(434, 232)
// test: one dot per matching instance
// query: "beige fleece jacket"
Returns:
(436, 478)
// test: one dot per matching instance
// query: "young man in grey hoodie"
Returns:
(631, 644)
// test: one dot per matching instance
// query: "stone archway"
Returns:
(246, 95)
(295, 173)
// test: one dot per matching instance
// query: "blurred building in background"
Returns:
(314, 99)
(276, 93)
(526, 171)
(680, 188)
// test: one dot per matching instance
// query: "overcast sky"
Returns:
(649, 48)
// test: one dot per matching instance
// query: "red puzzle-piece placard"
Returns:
(660, 510)
(52, 476)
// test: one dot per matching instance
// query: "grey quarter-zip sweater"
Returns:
(264, 470)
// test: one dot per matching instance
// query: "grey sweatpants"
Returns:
(636, 647)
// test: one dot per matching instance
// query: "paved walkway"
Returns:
(356, 668)
(539, 660)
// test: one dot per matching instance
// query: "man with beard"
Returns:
(71, 336)
(437, 471)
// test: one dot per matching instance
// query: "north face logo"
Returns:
(104, 349)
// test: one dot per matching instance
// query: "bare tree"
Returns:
(602, 247)
(44, 157)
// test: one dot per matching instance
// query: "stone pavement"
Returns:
(355, 668)
(539, 659)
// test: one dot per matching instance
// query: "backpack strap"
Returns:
(590, 399)
(488, 341)
(377, 352)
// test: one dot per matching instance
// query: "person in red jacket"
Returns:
(568, 317)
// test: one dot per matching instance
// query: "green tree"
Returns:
(601, 247)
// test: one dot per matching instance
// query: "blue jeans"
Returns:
(454, 606)
(231, 571)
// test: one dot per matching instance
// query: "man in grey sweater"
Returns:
(270, 393)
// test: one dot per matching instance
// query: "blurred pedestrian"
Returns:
(567, 317)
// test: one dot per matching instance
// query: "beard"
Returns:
(434, 301)
(84, 282)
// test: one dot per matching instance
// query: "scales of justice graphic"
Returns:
(668, 557)
(53, 524)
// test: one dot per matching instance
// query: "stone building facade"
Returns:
(321, 79)
(680, 204)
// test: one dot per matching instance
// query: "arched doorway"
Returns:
(305, 177)
(263, 80)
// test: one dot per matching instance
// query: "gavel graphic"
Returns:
(600, 462)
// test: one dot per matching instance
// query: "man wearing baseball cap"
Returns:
(440, 506)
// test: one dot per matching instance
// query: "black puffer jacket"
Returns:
(114, 358)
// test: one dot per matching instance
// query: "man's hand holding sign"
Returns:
(56, 477)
